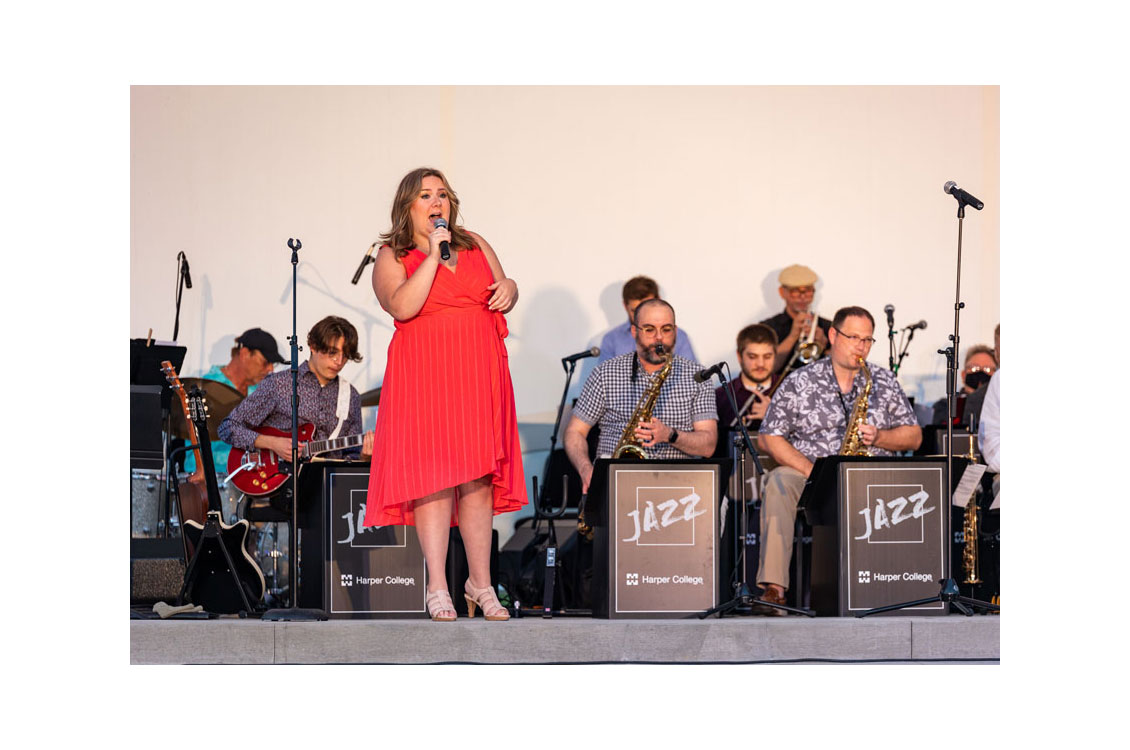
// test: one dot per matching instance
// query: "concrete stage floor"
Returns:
(572, 640)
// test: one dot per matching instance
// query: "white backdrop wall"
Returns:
(709, 190)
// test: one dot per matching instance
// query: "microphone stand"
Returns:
(894, 366)
(949, 592)
(905, 346)
(180, 290)
(294, 612)
(743, 601)
(543, 511)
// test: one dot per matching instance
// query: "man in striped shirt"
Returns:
(683, 423)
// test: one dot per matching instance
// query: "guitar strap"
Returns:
(343, 398)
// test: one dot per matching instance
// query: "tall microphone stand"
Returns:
(743, 601)
(893, 366)
(949, 592)
(294, 612)
(181, 280)
(905, 346)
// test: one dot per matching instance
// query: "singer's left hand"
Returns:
(505, 295)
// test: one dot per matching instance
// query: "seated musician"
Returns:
(980, 364)
(682, 424)
(253, 357)
(620, 339)
(757, 350)
(332, 342)
(808, 418)
(793, 326)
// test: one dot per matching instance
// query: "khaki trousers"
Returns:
(782, 490)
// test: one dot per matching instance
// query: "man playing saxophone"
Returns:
(809, 418)
(681, 424)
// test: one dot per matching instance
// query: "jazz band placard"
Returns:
(370, 572)
(893, 536)
(661, 536)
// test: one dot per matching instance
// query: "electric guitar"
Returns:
(209, 580)
(259, 473)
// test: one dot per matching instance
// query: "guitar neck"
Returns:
(336, 444)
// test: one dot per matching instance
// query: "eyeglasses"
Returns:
(800, 291)
(855, 339)
(666, 330)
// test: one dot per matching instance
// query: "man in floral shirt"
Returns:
(807, 419)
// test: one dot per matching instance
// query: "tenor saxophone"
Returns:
(629, 444)
(853, 444)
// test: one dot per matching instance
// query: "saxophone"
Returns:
(629, 444)
(969, 530)
(853, 445)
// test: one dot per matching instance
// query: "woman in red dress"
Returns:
(446, 450)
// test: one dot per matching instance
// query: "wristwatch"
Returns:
(674, 436)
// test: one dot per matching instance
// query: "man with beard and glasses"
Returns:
(683, 421)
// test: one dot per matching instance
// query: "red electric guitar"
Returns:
(262, 475)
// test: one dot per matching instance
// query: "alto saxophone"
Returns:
(853, 445)
(629, 444)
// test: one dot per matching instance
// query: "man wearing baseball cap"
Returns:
(253, 358)
(798, 287)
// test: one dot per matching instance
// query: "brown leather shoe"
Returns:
(771, 596)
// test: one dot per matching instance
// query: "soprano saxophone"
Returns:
(853, 444)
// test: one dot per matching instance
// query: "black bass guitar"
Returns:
(221, 577)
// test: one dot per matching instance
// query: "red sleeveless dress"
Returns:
(447, 402)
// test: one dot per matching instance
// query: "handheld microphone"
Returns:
(594, 352)
(444, 248)
(708, 373)
(916, 326)
(962, 196)
(890, 311)
(184, 270)
(364, 262)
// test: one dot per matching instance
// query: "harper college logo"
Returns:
(633, 579)
(865, 576)
(346, 579)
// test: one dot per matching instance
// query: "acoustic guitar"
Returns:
(221, 576)
(193, 495)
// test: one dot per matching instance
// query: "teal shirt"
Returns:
(220, 449)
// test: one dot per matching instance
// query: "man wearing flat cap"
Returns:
(798, 287)
(253, 358)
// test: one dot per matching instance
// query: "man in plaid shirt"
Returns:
(684, 421)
